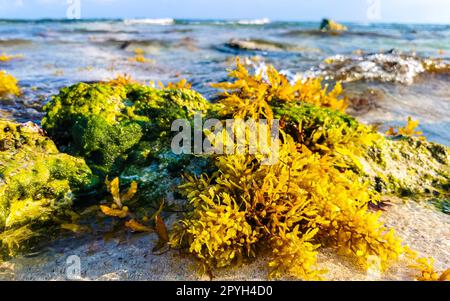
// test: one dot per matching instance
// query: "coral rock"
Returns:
(37, 182)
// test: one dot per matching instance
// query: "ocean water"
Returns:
(380, 64)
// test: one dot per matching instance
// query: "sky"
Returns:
(400, 11)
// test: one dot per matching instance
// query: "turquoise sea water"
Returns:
(380, 62)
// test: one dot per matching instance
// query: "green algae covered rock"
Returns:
(37, 183)
(314, 126)
(124, 130)
(404, 166)
(409, 167)
(328, 132)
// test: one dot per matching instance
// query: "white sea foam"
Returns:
(163, 21)
(260, 67)
(254, 22)
(385, 67)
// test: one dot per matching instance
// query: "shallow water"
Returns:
(60, 53)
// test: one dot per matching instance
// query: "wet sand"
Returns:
(421, 226)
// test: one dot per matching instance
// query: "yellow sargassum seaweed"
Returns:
(309, 198)
(408, 130)
(289, 208)
(6, 58)
(8, 85)
(251, 96)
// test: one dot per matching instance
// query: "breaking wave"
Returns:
(253, 22)
(384, 67)
(163, 21)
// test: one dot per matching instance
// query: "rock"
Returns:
(262, 45)
(37, 183)
(404, 166)
(148, 46)
(364, 101)
(124, 130)
(409, 167)
(330, 25)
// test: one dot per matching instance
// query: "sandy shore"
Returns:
(423, 228)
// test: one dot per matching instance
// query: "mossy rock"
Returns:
(164, 174)
(124, 130)
(410, 167)
(37, 182)
(311, 118)
(405, 166)
(327, 132)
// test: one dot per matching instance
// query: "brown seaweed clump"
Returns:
(329, 170)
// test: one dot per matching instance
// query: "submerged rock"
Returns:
(37, 183)
(124, 130)
(264, 45)
(361, 102)
(149, 46)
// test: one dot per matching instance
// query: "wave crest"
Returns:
(161, 21)
(384, 67)
(253, 22)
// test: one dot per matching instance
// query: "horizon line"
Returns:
(221, 19)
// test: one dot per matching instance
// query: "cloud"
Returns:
(50, 2)
(11, 4)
